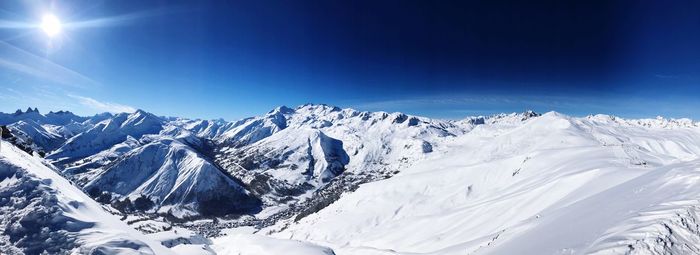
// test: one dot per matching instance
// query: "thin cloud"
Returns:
(20, 61)
(9, 24)
(103, 106)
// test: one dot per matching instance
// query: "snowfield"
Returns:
(552, 185)
(247, 244)
(318, 179)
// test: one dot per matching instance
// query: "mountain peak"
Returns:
(141, 114)
(140, 111)
(318, 107)
(29, 110)
(529, 114)
(281, 109)
(61, 113)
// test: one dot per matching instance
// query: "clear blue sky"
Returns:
(445, 59)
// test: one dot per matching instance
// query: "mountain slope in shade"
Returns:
(553, 185)
(290, 163)
(59, 118)
(29, 114)
(44, 213)
(179, 180)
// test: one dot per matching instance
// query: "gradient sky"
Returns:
(444, 59)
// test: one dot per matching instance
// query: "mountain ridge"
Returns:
(302, 173)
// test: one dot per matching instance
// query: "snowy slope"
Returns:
(179, 180)
(59, 118)
(553, 185)
(107, 133)
(87, 169)
(289, 163)
(204, 128)
(42, 212)
(504, 184)
(46, 137)
(246, 244)
(288, 153)
(281, 157)
(251, 130)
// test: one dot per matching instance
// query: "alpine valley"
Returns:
(318, 179)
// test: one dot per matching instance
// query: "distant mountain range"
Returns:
(346, 178)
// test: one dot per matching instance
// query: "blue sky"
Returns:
(444, 59)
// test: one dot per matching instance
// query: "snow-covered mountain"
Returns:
(107, 133)
(60, 118)
(281, 158)
(179, 180)
(29, 114)
(289, 152)
(341, 181)
(42, 213)
(552, 185)
(46, 137)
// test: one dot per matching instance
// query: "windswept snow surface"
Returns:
(42, 213)
(550, 185)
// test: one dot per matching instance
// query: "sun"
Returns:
(51, 25)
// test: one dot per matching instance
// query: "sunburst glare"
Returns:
(51, 25)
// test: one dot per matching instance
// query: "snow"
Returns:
(288, 154)
(515, 183)
(204, 128)
(184, 241)
(246, 244)
(88, 168)
(178, 179)
(43, 212)
(283, 156)
(296, 157)
(107, 133)
(551, 185)
(46, 137)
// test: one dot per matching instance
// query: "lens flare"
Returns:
(51, 25)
